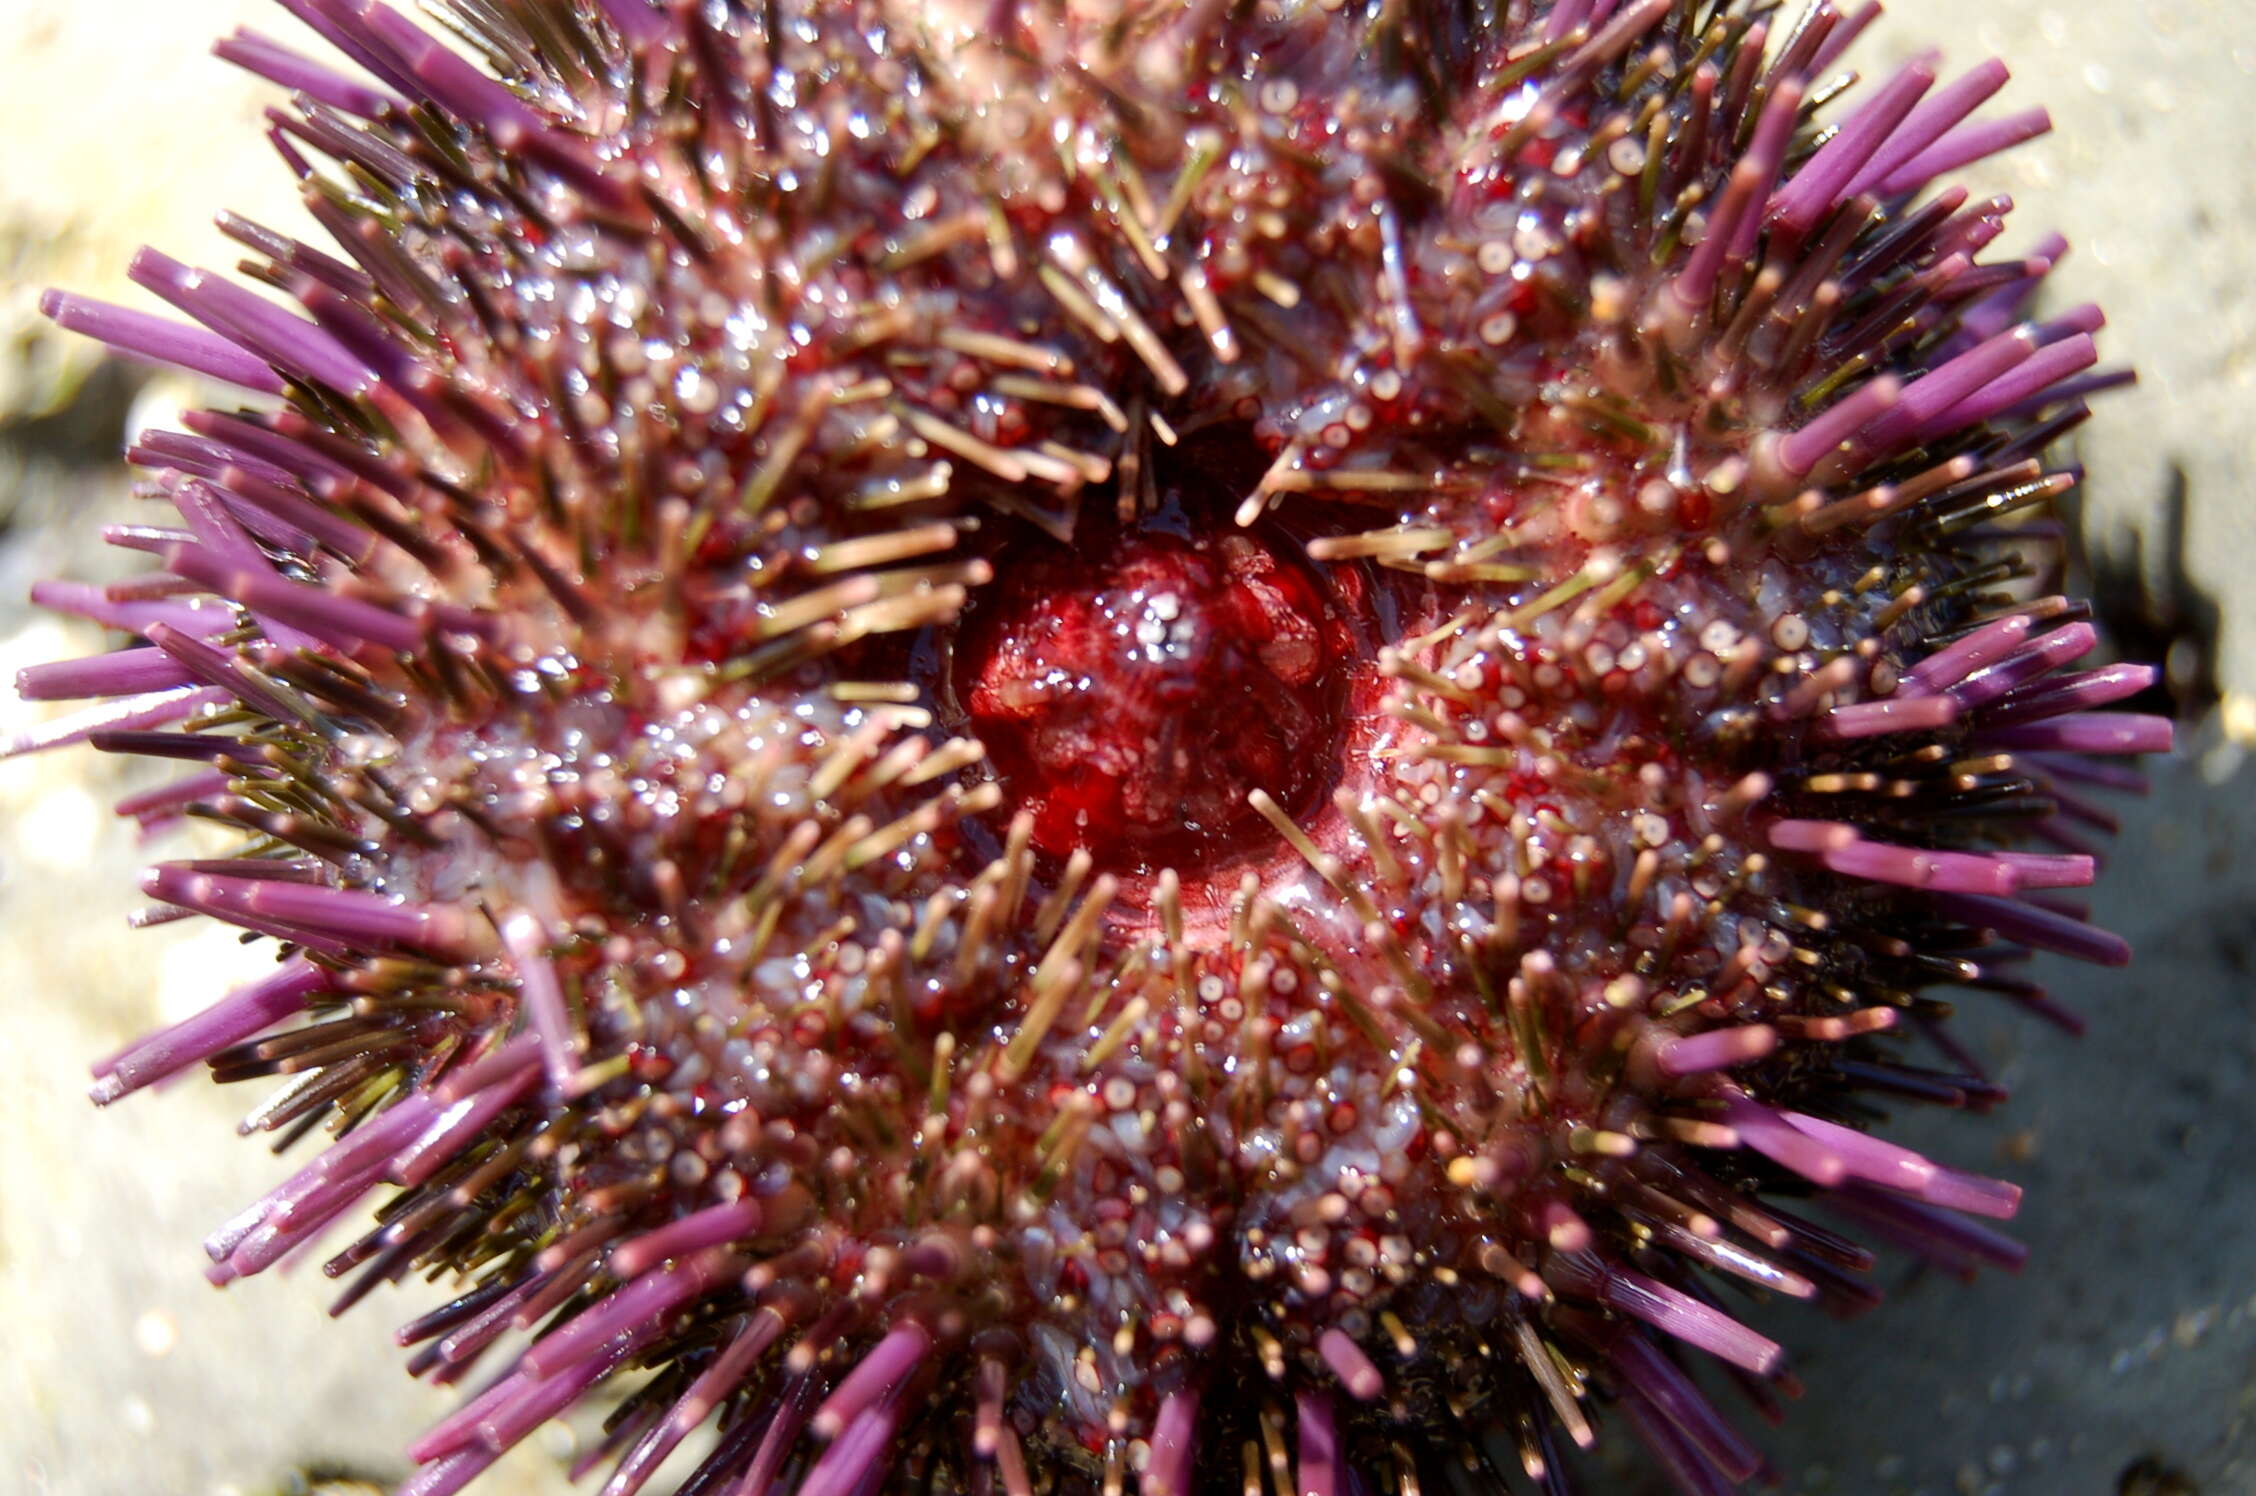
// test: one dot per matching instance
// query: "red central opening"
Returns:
(1132, 689)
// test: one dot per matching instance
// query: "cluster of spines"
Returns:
(1816, 300)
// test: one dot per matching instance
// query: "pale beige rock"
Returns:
(2147, 172)
(118, 129)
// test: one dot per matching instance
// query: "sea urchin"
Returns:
(1058, 746)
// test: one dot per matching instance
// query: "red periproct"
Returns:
(1133, 690)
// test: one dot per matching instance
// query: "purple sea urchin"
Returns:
(723, 640)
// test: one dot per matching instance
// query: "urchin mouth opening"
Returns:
(1139, 683)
